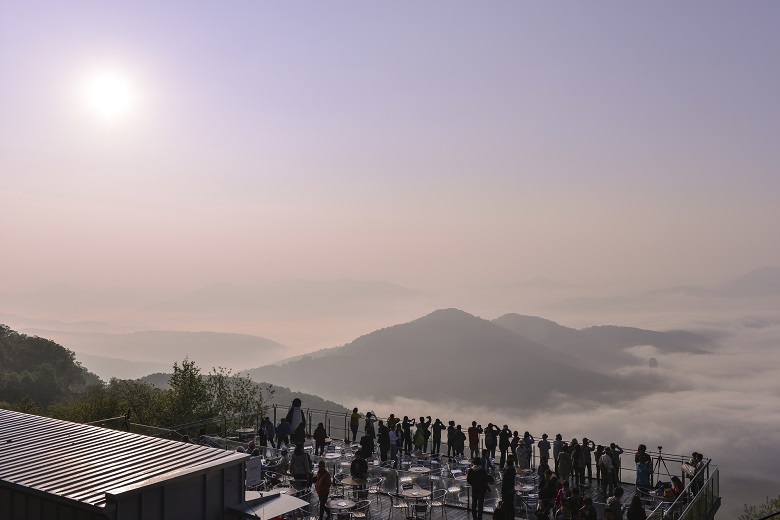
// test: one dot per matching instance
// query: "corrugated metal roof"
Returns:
(82, 462)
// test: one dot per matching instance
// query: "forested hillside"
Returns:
(38, 370)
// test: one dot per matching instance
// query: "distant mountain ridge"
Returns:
(153, 349)
(759, 283)
(603, 345)
(448, 355)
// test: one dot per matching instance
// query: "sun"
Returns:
(109, 95)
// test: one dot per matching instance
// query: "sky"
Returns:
(427, 144)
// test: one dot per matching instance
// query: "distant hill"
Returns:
(601, 346)
(448, 355)
(152, 350)
(761, 282)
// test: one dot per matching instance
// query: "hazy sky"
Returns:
(425, 143)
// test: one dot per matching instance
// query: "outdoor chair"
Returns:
(362, 510)
(439, 499)
(398, 501)
(420, 511)
(375, 486)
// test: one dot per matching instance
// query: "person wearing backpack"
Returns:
(301, 467)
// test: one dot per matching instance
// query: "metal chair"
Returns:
(439, 499)
(362, 510)
(398, 501)
(421, 511)
(375, 486)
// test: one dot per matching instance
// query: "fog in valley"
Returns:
(537, 358)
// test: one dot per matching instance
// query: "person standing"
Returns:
(437, 428)
(320, 435)
(383, 439)
(544, 447)
(270, 431)
(616, 451)
(354, 423)
(367, 445)
(474, 432)
(515, 442)
(322, 487)
(450, 440)
(564, 464)
(578, 464)
(295, 415)
(491, 439)
(557, 447)
(508, 488)
(504, 441)
(605, 467)
(369, 429)
(407, 427)
(396, 436)
(480, 481)
(283, 432)
(587, 448)
(424, 427)
(300, 467)
(597, 457)
(459, 441)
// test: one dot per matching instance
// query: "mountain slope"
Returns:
(601, 346)
(448, 355)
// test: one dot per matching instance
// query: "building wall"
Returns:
(16, 504)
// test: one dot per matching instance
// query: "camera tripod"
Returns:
(657, 470)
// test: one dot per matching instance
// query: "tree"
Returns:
(188, 398)
(233, 396)
(765, 509)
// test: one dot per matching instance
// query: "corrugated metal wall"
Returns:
(77, 471)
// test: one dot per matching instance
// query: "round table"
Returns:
(245, 431)
(332, 455)
(340, 504)
(354, 481)
(420, 455)
(525, 488)
(419, 469)
(416, 493)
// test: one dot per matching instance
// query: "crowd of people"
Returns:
(565, 468)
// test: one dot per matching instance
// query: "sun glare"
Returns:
(109, 96)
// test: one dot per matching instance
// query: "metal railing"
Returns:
(337, 427)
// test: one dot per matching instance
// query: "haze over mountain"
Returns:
(602, 347)
(135, 354)
(745, 290)
(452, 356)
